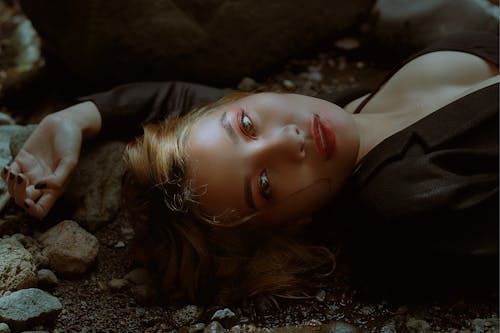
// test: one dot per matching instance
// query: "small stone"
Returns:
(360, 65)
(214, 327)
(119, 245)
(118, 284)
(128, 233)
(17, 267)
(4, 328)
(247, 84)
(196, 328)
(47, 278)
(186, 315)
(288, 84)
(143, 294)
(417, 325)
(321, 295)
(347, 43)
(338, 327)
(223, 314)
(139, 276)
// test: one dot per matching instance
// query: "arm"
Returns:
(134, 105)
(39, 173)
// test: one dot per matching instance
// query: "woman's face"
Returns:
(281, 156)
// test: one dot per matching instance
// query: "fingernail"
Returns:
(11, 176)
(40, 185)
(5, 170)
(20, 179)
(26, 204)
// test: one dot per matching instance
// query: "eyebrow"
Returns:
(231, 133)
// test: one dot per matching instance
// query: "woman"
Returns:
(231, 188)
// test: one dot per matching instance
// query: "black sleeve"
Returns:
(126, 108)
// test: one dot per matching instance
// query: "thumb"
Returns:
(58, 179)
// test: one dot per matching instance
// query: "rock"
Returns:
(28, 307)
(118, 284)
(119, 245)
(225, 316)
(4, 328)
(12, 138)
(195, 328)
(144, 294)
(213, 41)
(17, 267)
(247, 84)
(214, 327)
(186, 315)
(347, 43)
(389, 327)
(402, 27)
(321, 295)
(139, 276)
(71, 250)
(485, 325)
(47, 279)
(417, 325)
(94, 191)
(338, 327)
(288, 84)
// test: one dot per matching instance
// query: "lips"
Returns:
(323, 137)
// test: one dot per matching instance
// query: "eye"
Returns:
(246, 125)
(265, 185)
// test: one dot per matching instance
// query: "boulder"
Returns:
(213, 41)
(17, 267)
(71, 250)
(26, 308)
(400, 27)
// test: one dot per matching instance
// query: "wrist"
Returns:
(85, 116)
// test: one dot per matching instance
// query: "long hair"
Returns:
(198, 261)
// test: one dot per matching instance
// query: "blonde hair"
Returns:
(196, 259)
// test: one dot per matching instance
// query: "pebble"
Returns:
(118, 284)
(4, 328)
(27, 308)
(347, 43)
(139, 276)
(223, 314)
(186, 315)
(338, 327)
(214, 327)
(288, 84)
(321, 295)
(47, 278)
(417, 325)
(119, 245)
(247, 84)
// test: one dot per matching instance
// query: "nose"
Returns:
(287, 142)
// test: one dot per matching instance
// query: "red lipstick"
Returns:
(323, 137)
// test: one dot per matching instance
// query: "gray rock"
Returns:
(118, 284)
(403, 26)
(17, 267)
(28, 307)
(139, 276)
(223, 314)
(94, 190)
(415, 325)
(338, 327)
(71, 250)
(47, 278)
(4, 328)
(247, 84)
(485, 325)
(214, 327)
(213, 41)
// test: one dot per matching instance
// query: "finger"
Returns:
(58, 179)
(20, 189)
(5, 173)
(40, 208)
(33, 193)
(11, 180)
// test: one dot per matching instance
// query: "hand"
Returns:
(39, 173)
